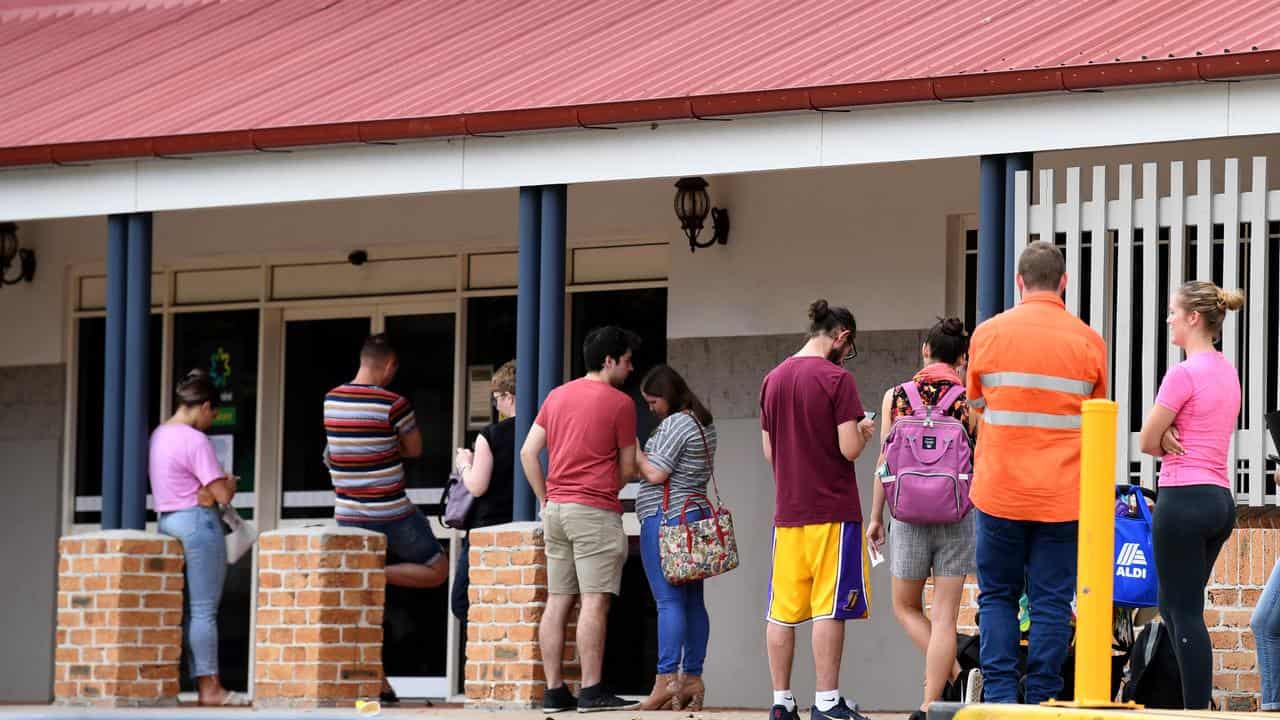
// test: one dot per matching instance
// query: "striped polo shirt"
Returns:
(363, 425)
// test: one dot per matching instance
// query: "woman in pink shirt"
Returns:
(186, 482)
(1190, 427)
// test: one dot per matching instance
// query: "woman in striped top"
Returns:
(678, 455)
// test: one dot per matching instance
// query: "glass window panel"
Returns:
(90, 388)
(319, 356)
(225, 344)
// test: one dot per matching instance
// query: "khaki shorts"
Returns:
(586, 548)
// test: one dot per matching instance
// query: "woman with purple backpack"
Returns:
(923, 475)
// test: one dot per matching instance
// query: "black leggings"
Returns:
(1190, 526)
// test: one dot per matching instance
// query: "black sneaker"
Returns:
(919, 715)
(597, 698)
(953, 691)
(841, 711)
(780, 712)
(558, 700)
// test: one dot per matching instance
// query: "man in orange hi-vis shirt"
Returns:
(1030, 369)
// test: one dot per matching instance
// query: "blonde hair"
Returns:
(1211, 301)
(504, 379)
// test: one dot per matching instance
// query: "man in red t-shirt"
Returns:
(813, 428)
(588, 427)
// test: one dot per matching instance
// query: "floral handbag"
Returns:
(693, 550)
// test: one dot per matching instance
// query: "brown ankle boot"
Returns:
(665, 688)
(691, 693)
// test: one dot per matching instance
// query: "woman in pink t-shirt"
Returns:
(186, 482)
(1190, 427)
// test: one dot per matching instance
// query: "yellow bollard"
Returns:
(1096, 553)
(1096, 556)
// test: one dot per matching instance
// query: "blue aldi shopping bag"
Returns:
(1135, 580)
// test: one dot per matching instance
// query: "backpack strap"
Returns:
(949, 398)
(912, 392)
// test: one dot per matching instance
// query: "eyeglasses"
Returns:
(853, 353)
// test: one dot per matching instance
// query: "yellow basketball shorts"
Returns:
(820, 572)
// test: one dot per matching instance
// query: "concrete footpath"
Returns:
(45, 712)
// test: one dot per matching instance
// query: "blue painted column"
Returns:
(137, 372)
(551, 304)
(1013, 164)
(524, 504)
(991, 247)
(113, 382)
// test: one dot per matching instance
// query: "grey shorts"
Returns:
(917, 552)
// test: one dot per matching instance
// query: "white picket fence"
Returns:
(1202, 235)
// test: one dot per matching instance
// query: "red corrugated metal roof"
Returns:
(138, 77)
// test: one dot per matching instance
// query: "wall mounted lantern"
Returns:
(692, 204)
(9, 251)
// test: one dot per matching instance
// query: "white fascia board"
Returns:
(1254, 107)
(300, 175)
(1032, 124)
(632, 152)
(918, 131)
(33, 193)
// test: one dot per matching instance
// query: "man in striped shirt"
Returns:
(370, 430)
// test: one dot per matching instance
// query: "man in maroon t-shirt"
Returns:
(813, 428)
(588, 427)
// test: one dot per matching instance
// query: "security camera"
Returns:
(358, 257)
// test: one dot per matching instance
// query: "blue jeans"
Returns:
(199, 529)
(1041, 557)
(683, 624)
(409, 539)
(1266, 631)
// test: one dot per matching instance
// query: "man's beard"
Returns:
(836, 355)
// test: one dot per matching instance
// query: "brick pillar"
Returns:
(119, 619)
(967, 620)
(319, 619)
(1238, 579)
(508, 592)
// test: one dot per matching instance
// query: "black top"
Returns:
(494, 507)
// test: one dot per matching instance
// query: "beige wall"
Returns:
(869, 237)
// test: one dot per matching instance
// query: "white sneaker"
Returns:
(972, 687)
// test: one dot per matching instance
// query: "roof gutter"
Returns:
(607, 115)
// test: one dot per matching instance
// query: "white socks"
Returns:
(824, 700)
(784, 698)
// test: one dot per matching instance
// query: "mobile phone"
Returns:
(871, 415)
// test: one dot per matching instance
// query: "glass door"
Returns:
(418, 628)
(225, 344)
(321, 351)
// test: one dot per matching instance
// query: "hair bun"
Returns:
(819, 310)
(1230, 299)
(196, 374)
(952, 326)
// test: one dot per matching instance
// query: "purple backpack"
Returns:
(928, 461)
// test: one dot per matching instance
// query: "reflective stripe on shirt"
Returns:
(1032, 419)
(1037, 381)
